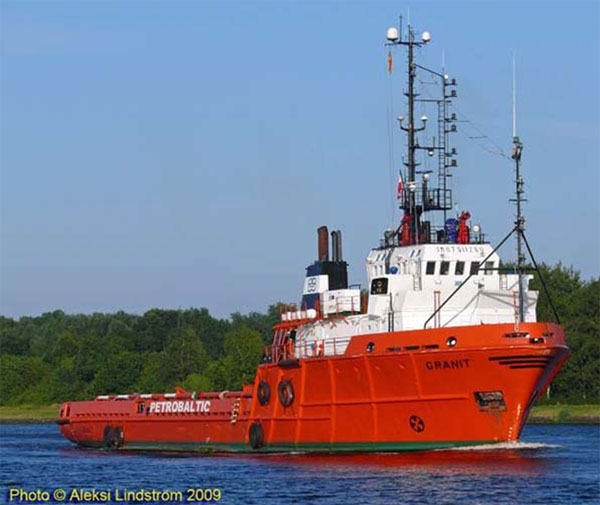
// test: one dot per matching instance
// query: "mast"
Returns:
(410, 204)
(520, 225)
(411, 165)
(411, 111)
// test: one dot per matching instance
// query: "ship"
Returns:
(442, 349)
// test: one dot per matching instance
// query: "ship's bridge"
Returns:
(407, 284)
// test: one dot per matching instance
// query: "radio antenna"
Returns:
(519, 184)
(514, 94)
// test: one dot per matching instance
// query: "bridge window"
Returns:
(489, 268)
(474, 267)
(379, 286)
(444, 268)
(430, 269)
(460, 268)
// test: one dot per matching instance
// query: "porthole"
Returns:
(451, 341)
(370, 346)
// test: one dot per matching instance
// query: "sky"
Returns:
(183, 154)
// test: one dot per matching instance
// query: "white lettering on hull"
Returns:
(180, 406)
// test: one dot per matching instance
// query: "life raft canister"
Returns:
(286, 393)
(263, 392)
(256, 435)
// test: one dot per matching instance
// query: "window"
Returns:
(430, 269)
(460, 268)
(489, 267)
(444, 268)
(474, 267)
(379, 286)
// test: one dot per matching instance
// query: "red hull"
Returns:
(409, 391)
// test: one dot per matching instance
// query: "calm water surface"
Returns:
(551, 465)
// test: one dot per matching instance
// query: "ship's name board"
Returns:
(459, 248)
(448, 364)
(180, 406)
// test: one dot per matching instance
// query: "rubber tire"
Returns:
(263, 393)
(108, 437)
(285, 390)
(118, 437)
(256, 435)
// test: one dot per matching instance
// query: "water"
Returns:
(551, 465)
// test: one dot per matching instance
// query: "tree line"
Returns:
(56, 357)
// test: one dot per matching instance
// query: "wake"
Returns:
(507, 446)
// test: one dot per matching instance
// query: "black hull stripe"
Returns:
(527, 366)
(538, 356)
(525, 362)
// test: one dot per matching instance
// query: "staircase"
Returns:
(235, 410)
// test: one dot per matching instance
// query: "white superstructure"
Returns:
(419, 278)
(406, 285)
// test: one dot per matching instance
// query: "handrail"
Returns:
(307, 349)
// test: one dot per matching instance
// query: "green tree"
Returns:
(198, 383)
(221, 374)
(243, 351)
(184, 354)
(578, 305)
(262, 323)
(117, 374)
(17, 374)
(211, 331)
(89, 357)
(151, 378)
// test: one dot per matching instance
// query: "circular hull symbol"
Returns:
(417, 424)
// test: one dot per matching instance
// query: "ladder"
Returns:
(235, 410)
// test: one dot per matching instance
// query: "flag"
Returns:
(390, 62)
(400, 186)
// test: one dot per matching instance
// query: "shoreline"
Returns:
(565, 414)
(540, 414)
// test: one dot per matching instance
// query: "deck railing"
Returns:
(306, 349)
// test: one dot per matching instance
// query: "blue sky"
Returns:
(179, 154)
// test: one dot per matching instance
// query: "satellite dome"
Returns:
(392, 34)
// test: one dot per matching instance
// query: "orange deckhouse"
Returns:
(442, 349)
